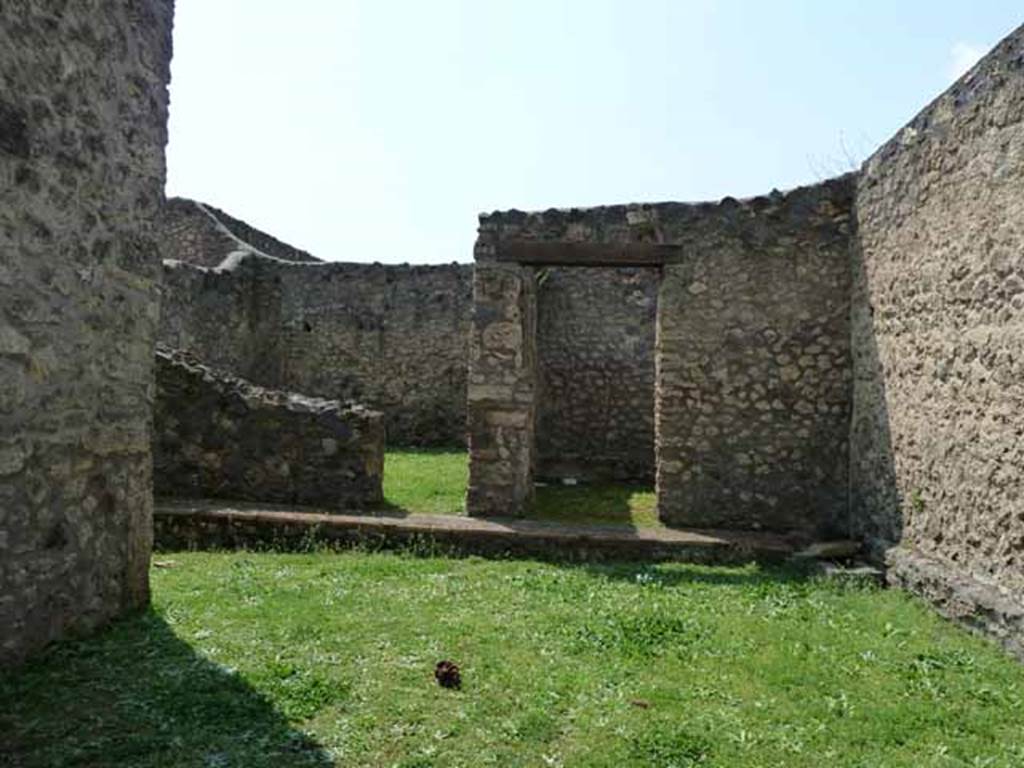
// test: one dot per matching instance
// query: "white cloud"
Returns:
(963, 56)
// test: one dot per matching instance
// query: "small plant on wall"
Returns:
(916, 501)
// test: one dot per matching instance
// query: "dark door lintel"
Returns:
(580, 254)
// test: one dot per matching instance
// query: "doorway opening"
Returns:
(594, 427)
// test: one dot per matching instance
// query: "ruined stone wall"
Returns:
(938, 430)
(502, 388)
(595, 357)
(754, 391)
(753, 381)
(191, 235)
(198, 233)
(396, 337)
(221, 437)
(258, 239)
(392, 337)
(83, 109)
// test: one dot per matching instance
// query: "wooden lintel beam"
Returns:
(576, 254)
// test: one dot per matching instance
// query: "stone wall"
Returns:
(219, 436)
(211, 313)
(392, 337)
(937, 438)
(257, 239)
(198, 233)
(188, 233)
(595, 357)
(753, 384)
(396, 337)
(754, 390)
(502, 390)
(83, 109)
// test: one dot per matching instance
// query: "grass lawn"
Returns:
(327, 659)
(432, 482)
(426, 482)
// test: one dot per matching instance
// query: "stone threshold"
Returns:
(213, 524)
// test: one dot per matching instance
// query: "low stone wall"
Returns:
(210, 525)
(222, 437)
(392, 337)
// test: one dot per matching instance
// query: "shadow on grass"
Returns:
(387, 508)
(137, 695)
(622, 505)
(676, 574)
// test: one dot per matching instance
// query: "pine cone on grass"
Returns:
(447, 674)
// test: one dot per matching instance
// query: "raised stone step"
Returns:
(205, 524)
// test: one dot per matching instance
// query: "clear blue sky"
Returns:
(377, 130)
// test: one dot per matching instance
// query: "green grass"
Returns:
(433, 482)
(603, 504)
(426, 482)
(327, 659)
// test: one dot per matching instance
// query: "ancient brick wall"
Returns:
(595, 357)
(219, 436)
(938, 430)
(83, 105)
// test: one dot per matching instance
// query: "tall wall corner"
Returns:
(79, 306)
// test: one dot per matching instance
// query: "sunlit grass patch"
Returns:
(433, 482)
(426, 482)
